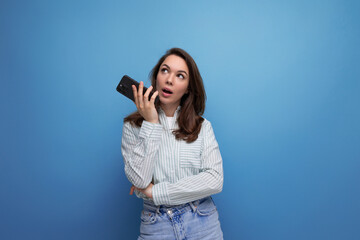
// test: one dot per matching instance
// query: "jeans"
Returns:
(194, 220)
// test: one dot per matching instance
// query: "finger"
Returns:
(147, 93)
(140, 95)
(153, 97)
(135, 95)
(132, 190)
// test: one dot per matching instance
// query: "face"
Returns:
(172, 80)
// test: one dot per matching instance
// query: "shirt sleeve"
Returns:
(139, 152)
(208, 182)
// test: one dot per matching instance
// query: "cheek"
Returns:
(184, 87)
(181, 91)
(159, 79)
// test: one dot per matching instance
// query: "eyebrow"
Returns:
(178, 71)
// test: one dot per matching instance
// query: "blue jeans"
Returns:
(190, 221)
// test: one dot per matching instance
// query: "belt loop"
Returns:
(193, 206)
(158, 209)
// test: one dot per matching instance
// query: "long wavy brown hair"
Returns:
(192, 103)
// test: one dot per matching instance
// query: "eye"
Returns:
(164, 70)
(181, 76)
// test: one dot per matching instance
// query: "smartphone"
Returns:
(124, 87)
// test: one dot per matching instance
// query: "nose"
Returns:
(170, 80)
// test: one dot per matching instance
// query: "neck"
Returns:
(169, 109)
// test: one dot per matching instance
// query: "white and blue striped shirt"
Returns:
(181, 172)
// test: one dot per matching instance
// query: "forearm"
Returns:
(140, 175)
(140, 153)
(189, 189)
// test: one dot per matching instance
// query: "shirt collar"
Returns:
(163, 120)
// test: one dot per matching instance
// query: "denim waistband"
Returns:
(149, 205)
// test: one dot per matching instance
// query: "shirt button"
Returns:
(169, 212)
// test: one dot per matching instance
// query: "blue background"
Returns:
(282, 80)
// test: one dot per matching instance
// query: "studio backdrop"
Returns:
(282, 84)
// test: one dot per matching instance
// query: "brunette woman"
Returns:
(171, 155)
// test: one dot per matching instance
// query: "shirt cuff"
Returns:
(141, 195)
(150, 130)
(160, 194)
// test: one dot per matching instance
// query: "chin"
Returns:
(164, 101)
(167, 101)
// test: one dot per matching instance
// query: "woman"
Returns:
(171, 155)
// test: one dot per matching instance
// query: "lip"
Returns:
(168, 89)
(166, 94)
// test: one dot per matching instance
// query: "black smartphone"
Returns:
(124, 87)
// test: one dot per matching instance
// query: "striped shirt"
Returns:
(181, 172)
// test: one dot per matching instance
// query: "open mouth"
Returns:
(167, 91)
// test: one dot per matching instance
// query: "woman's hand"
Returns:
(145, 107)
(147, 191)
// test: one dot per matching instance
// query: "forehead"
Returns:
(176, 63)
